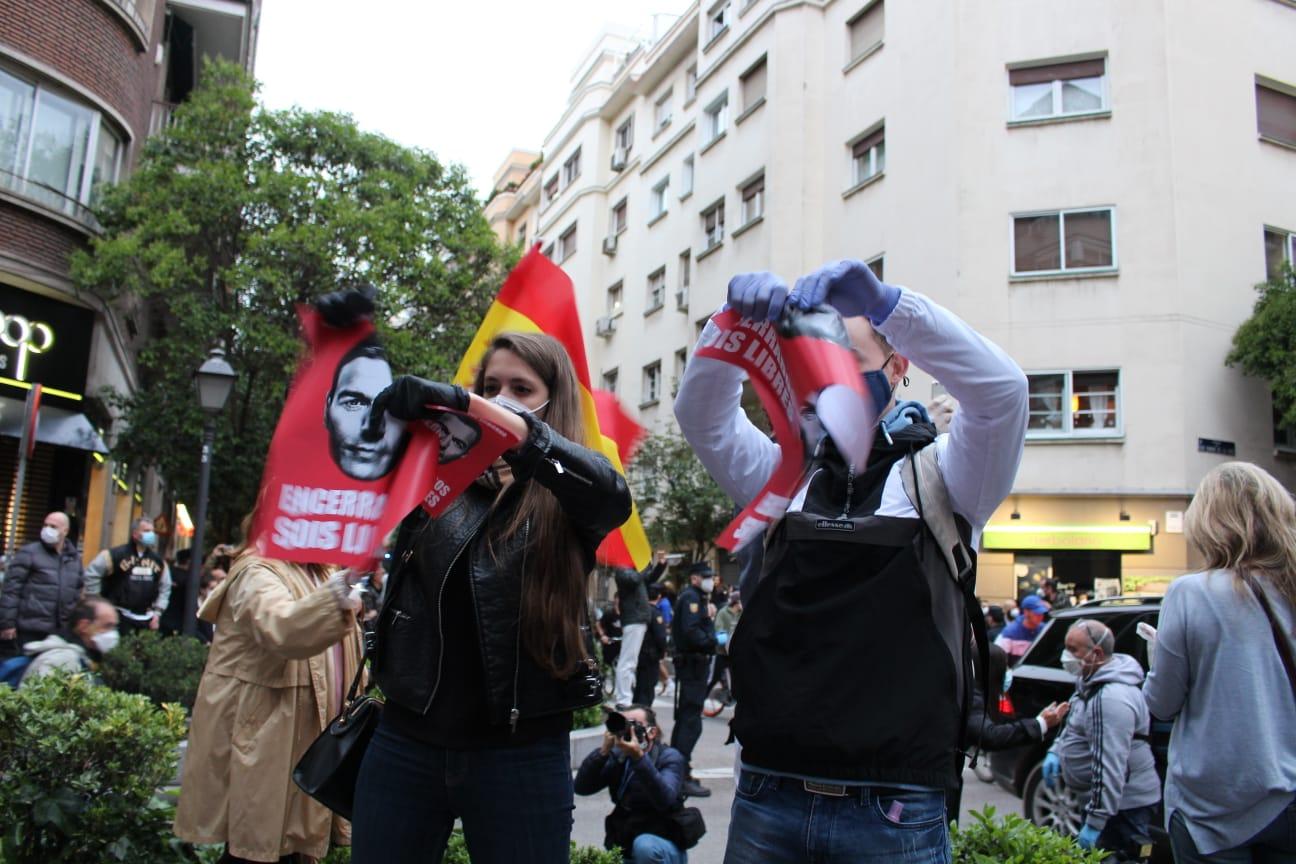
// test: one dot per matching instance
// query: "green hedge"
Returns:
(1013, 840)
(79, 768)
(457, 853)
(163, 668)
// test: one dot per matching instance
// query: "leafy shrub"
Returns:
(79, 766)
(584, 718)
(457, 853)
(1015, 841)
(163, 668)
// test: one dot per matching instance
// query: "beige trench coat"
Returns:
(267, 691)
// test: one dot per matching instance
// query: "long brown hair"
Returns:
(554, 581)
(1243, 520)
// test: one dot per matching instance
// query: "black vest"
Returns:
(852, 654)
(134, 579)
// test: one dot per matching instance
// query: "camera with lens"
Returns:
(623, 727)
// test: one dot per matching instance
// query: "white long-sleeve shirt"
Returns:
(978, 457)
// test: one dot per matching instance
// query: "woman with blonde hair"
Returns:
(1223, 671)
(286, 646)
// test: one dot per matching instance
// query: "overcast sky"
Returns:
(467, 80)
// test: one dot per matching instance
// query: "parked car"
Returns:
(1039, 679)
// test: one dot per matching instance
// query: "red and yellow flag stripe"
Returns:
(538, 297)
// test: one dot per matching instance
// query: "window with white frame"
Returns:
(686, 177)
(614, 299)
(662, 110)
(753, 200)
(681, 363)
(521, 234)
(685, 269)
(658, 203)
(1066, 89)
(865, 30)
(1074, 403)
(713, 224)
(690, 84)
(752, 83)
(54, 150)
(610, 380)
(571, 168)
(551, 189)
(718, 20)
(625, 137)
(651, 384)
(1279, 249)
(868, 155)
(567, 243)
(716, 119)
(617, 218)
(1064, 241)
(878, 266)
(1276, 111)
(656, 298)
(548, 251)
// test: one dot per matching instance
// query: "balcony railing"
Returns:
(49, 198)
(137, 15)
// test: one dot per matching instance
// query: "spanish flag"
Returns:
(537, 297)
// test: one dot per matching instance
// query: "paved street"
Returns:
(714, 767)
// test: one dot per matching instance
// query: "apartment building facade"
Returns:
(83, 83)
(1093, 185)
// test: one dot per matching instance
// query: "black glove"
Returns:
(344, 308)
(412, 398)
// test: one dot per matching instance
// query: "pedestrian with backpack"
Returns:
(853, 657)
(90, 634)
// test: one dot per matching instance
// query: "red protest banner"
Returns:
(797, 364)
(330, 492)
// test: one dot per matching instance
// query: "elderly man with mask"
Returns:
(42, 584)
(1103, 749)
(91, 633)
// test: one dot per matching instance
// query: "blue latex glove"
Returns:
(1088, 837)
(722, 638)
(758, 296)
(849, 287)
(1051, 769)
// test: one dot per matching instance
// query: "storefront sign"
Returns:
(43, 341)
(1222, 448)
(1118, 538)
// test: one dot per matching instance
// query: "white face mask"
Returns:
(515, 406)
(708, 584)
(50, 535)
(1072, 664)
(106, 641)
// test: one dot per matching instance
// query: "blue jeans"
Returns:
(515, 802)
(651, 849)
(777, 819)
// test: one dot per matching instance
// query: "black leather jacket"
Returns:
(408, 655)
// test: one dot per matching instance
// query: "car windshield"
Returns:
(1047, 648)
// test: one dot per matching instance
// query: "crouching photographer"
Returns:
(644, 777)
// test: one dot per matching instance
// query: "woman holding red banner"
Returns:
(483, 646)
(286, 645)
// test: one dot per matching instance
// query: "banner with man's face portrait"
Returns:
(332, 491)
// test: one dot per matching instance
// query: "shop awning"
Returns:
(1116, 538)
(61, 427)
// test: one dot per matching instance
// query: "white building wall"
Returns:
(1177, 156)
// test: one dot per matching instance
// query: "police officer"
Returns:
(693, 628)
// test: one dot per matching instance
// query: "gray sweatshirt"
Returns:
(1097, 748)
(1218, 675)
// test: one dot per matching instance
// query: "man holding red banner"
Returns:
(852, 657)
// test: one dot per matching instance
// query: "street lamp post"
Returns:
(214, 381)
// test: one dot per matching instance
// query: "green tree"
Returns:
(234, 216)
(1265, 345)
(682, 506)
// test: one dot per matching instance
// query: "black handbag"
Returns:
(327, 771)
(683, 826)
